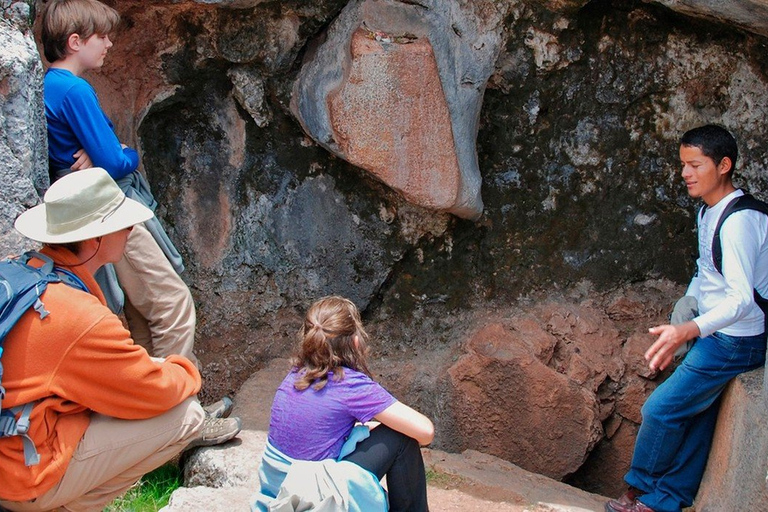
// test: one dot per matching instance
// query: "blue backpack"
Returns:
(21, 286)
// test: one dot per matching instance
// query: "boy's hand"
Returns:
(82, 161)
(671, 337)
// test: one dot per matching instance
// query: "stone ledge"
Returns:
(735, 477)
(225, 478)
(498, 480)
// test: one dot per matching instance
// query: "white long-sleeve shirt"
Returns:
(726, 301)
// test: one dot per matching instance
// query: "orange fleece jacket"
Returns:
(78, 359)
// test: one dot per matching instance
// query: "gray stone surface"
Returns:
(248, 90)
(751, 15)
(735, 475)
(221, 478)
(253, 401)
(209, 499)
(468, 482)
(23, 149)
(233, 464)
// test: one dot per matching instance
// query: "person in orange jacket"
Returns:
(105, 412)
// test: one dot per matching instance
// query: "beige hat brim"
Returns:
(32, 223)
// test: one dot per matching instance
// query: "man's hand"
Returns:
(671, 337)
(82, 160)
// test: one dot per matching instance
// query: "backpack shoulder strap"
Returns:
(21, 286)
(10, 426)
(70, 278)
(745, 202)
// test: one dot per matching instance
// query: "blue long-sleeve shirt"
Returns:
(75, 121)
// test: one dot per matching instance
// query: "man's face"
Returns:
(703, 178)
(113, 245)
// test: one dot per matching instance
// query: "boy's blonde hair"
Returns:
(62, 18)
(332, 337)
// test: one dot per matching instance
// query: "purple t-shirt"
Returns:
(313, 425)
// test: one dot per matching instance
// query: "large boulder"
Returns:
(511, 404)
(396, 88)
(391, 118)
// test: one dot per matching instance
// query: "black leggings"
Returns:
(388, 452)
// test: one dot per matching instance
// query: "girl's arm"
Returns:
(410, 422)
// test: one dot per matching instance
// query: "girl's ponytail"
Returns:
(331, 338)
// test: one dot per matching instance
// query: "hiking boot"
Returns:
(220, 409)
(629, 497)
(635, 506)
(216, 431)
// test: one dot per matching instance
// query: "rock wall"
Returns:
(23, 148)
(585, 237)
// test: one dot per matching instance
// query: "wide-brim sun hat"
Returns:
(82, 205)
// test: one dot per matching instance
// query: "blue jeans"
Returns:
(679, 419)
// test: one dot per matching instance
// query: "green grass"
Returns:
(151, 493)
(442, 480)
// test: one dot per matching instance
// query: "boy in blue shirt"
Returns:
(158, 305)
(75, 36)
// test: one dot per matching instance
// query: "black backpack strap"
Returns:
(745, 202)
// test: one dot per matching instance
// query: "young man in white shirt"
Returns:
(679, 417)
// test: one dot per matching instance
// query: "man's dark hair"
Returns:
(714, 141)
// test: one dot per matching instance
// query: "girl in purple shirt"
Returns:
(329, 390)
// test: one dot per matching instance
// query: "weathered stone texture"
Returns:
(248, 90)
(464, 39)
(23, 149)
(500, 381)
(234, 464)
(735, 477)
(751, 15)
(609, 458)
(390, 118)
(221, 478)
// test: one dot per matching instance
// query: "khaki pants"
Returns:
(113, 454)
(158, 305)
